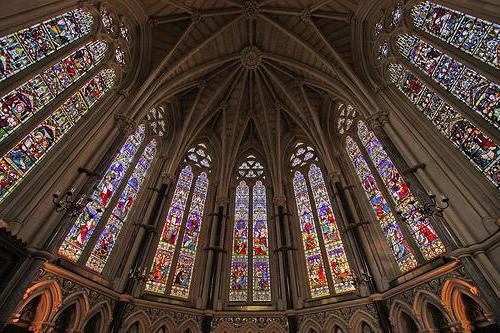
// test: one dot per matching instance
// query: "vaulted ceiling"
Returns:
(251, 70)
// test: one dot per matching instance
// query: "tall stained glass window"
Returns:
(238, 285)
(185, 264)
(392, 231)
(472, 35)
(27, 46)
(107, 239)
(420, 227)
(250, 273)
(173, 263)
(20, 160)
(79, 235)
(477, 92)
(483, 153)
(21, 104)
(325, 246)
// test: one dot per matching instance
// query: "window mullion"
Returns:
(467, 59)
(20, 133)
(319, 231)
(180, 237)
(404, 228)
(466, 112)
(107, 213)
(250, 242)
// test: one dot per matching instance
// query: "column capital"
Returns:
(334, 176)
(378, 119)
(279, 200)
(125, 124)
(167, 178)
(221, 201)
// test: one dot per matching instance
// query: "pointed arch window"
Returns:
(21, 49)
(250, 244)
(21, 159)
(84, 226)
(174, 259)
(420, 227)
(451, 30)
(477, 92)
(325, 256)
(472, 35)
(30, 98)
(108, 237)
(392, 231)
(483, 153)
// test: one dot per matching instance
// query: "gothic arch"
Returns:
(274, 327)
(225, 327)
(335, 321)
(452, 294)
(80, 302)
(310, 326)
(139, 317)
(422, 301)
(361, 317)
(164, 322)
(249, 328)
(189, 326)
(396, 316)
(50, 302)
(104, 310)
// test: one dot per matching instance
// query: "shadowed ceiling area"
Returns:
(225, 64)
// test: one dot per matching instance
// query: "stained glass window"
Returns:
(420, 227)
(472, 35)
(341, 272)
(21, 104)
(318, 283)
(383, 50)
(479, 149)
(157, 280)
(476, 91)
(107, 239)
(397, 15)
(238, 287)
(199, 157)
(79, 235)
(27, 46)
(393, 234)
(260, 259)
(124, 32)
(107, 21)
(119, 56)
(156, 118)
(347, 113)
(20, 160)
(185, 264)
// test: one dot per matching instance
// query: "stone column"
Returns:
(215, 299)
(282, 248)
(214, 248)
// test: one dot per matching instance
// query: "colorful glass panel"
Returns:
(102, 249)
(343, 280)
(185, 265)
(394, 237)
(479, 149)
(479, 93)
(472, 35)
(421, 229)
(84, 226)
(238, 285)
(261, 271)
(27, 46)
(17, 163)
(318, 283)
(21, 104)
(157, 280)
